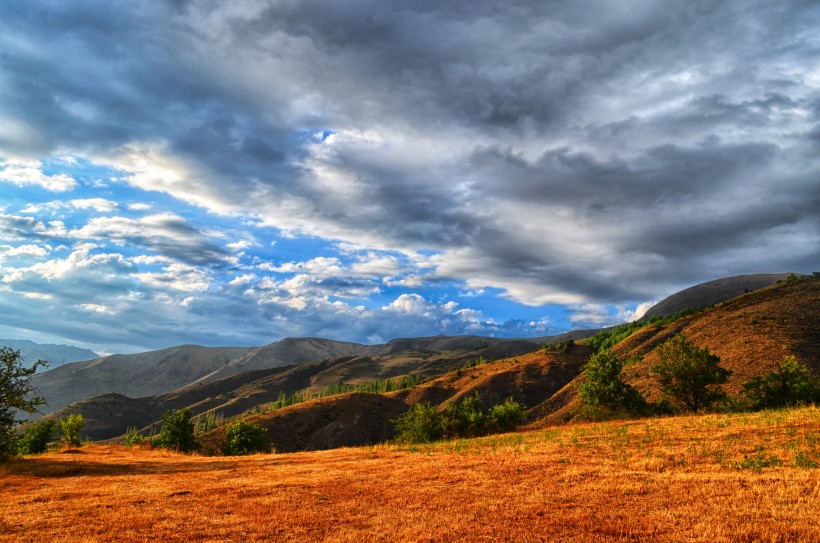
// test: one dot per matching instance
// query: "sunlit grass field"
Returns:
(711, 478)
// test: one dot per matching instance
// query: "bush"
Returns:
(688, 375)
(244, 438)
(36, 438)
(603, 386)
(508, 415)
(790, 384)
(177, 432)
(466, 418)
(70, 428)
(133, 437)
(15, 395)
(422, 423)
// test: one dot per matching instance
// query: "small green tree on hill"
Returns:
(422, 423)
(15, 388)
(507, 415)
(177, 431)
(790, 384)
(690, 377)
(244, 438)
(70, 428)
(466, 418)
(36, 437)
(603, 386)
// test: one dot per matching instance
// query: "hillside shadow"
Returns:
(50, 468)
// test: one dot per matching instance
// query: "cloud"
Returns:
(604, 153)
(166, 233)
(100, 205)
(24, 250)
(30, 173)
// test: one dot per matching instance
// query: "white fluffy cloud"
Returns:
(30, 173)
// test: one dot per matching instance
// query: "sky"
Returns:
(233, 173)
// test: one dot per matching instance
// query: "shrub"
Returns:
(133, 437)
(70, 428)
(688, 375)
(15, 395)
(36, 437)
(466, 418)
(603, 386)
(562, 346)
(177, 431)
(244, 438)
(508, 415)
(790, 384)
(422, 423)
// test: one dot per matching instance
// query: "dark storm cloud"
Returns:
(645, 141)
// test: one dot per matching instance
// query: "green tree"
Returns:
(603, 386)
(507, 415)
(422, 423)
(466, 418)
(70, 428)
(133, 437)
(36, 437)
(690, 377)
(244, 438)
(178, 431)
(791, 383)
(15, 388)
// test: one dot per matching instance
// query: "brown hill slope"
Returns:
(360, 419)
(713, 292)
(160, 372)
(132, 375)
(339, 421)
(109, 415)
(750, 334)
(529, 379)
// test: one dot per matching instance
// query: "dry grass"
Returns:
(679, 479)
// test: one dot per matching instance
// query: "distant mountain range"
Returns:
(119, 391)
(55, 355)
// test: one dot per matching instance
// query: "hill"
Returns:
(109, 414)
(750, 333)
(55, 355)
(133, 375)
(712, 292)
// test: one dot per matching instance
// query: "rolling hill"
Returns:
(750, 333)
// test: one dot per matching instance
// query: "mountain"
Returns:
(713, 292)
(109, 414)
(139, 374)
(56, 355)
(750, 333)
(159, 372)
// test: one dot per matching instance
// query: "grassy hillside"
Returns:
(750, 333)
(713, 292)
(712, 478)
(109, 415)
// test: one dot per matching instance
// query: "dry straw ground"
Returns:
(715, 478)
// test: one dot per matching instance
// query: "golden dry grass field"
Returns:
(712, 478)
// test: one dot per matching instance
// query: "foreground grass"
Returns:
(716, 478)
